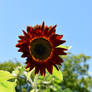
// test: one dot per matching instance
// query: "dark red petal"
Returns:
(31, 28)
(59, 37)
(42, 69)
(60, 51)
(24, 39)
(32, 63)
(21, 37)
(50, 27)
(27, 36)
(36, 27)
(46, 31)
(52, 30)
(19, 41)
(25, 54)
(28, 65)
(56, 36)
(58, 42)
(19, 44)
(25, 33)
(24, 49)
(37, 68)
(31, 67)
(55, 39)
(57, 60)
(38, 32)
(43, 25)
(28, 29)
(49, 68)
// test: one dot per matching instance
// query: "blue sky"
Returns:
(73, 19)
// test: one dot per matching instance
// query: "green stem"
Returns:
(35, 82)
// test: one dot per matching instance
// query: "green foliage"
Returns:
(67, 90)
(27, 81)
(6, 86)
(89, 79)
(50, 82)
(4, 75)
(23, 84)
(57, 74)
(75, 70)
(9, 66)
(75, 77)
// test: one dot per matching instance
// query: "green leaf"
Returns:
(29, 73)
(7, 86)
(66, 47)
(5, 75)
(58, 74)
(59, 90)
(67, 90)
(19, 70)
(32, 90)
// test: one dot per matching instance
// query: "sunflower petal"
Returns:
(50, 68)
(60, 51)
(37, 68)
(58, 42)
(43, 25)
(52, 30)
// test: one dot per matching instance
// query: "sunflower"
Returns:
(39, 46)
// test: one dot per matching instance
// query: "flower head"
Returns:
(38, 45)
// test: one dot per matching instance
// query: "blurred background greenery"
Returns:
(74, 70)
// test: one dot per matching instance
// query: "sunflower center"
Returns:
(40, 48)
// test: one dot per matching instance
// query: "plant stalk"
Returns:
(35, 82)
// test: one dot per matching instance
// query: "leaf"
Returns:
(67, 90)
(66, 47)
(29, 74)
(58, 74)
(7, 86)
(59, 90)
(5, 75)
(20, 70)
(32, 90)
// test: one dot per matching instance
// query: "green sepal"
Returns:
(66, 47)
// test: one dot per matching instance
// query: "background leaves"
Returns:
(5, 75)
(7, 86)
(75, 77)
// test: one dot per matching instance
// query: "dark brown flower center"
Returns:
(40, 48)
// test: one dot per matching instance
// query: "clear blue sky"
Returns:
(73, 17)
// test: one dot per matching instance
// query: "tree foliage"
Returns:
(75, 73)
(9, 65)
(74, 70)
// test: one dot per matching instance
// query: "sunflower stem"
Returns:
(35, 82)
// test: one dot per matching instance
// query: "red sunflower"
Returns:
(38, 45)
